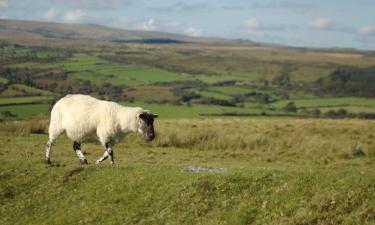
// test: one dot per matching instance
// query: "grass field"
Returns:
(24, 100)
(99, 71)
(27, 107)
(284, 171)
(22, 90)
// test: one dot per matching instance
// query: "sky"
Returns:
(307, 23)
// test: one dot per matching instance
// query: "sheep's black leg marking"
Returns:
(107, 153)
(109, 149)
(48, 152)
(77, 149)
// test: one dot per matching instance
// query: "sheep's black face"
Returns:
(146, 125)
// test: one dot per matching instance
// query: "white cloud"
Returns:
(150, 24)
(326, 24)
(322, 24)
(296, 7)
(3, 17)
(182, 7)
(254, 24)
(3, 4)
(50, 14)
(94, 4)
(192, 31)
(74, 16)
(367, 30)
(155, 24)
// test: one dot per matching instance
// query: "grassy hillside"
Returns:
(269, 171)
(281, 162)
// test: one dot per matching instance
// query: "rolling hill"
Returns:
(180, 76)
(36, 29)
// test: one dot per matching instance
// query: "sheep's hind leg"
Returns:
(107, 153)
(53, 135)
(48, 152)
(77, 149)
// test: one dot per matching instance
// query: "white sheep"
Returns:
(81, 115)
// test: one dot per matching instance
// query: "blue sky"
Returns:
(319, 23)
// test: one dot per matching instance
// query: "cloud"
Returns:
(3, 3)
(322, 24)
(296, 7)
(254, 24)
(95, 4)
(51, 14)
(181, 7)
(283, 5)
(150, 24)
(326, 24)
(156, 24)
(192, 31)
(367, 31)
(74, 16)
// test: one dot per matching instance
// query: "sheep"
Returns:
(81, 115)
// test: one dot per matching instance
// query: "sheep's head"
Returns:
(146, 124)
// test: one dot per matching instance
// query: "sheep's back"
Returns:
(79, 114)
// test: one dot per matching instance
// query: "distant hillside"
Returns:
(34, 29)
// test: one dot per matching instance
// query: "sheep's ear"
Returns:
(155, 115)
(142, 115)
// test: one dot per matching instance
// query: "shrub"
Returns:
(290, 107)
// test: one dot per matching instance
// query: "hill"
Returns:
(185, 75)
(46, 30)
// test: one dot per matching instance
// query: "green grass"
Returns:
(230, 90)
(174, 111)
(286, 172)
(27, 111)
(33, 65)
(99, 71)
(50, 53)
(13, 52)
(21, 90)
(211, 94)
(324, 102)
(3, 80)
(24, 100)
(352, 109)
(11, 92)
(194, 110)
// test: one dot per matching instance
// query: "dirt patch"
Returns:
(4, 176)
(71, 173)
(7, 193)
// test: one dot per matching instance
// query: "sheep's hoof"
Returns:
(83, 161)
(47, 161)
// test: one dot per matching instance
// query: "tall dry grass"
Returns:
(277, 137)
(37, 125)
(343, 138)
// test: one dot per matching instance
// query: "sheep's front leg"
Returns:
(77, 149)
(107, 153)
